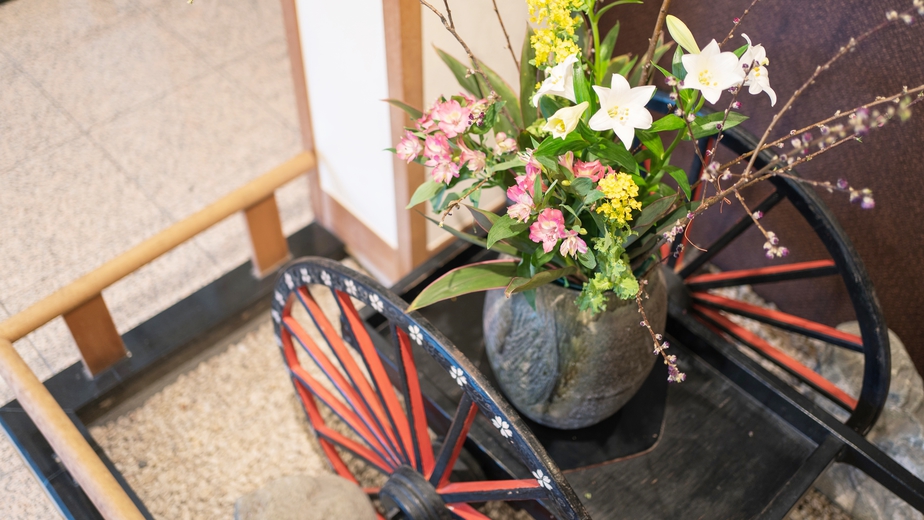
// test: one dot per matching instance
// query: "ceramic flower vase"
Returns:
(565, 368)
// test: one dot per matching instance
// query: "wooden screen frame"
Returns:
(404, 60)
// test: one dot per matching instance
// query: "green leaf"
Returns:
(460, 71)
(667, 123)
(548, 105)
(588, 260)
(663, 71)
(739, 52)
(467, 279)
(654, 211)
(582, 185)
(485, 219)
(614, 4)
(593, 196)
(616, 153)
(425, 191)
(705, 126)
(411, 111)
(583, 92)
(519, 284)
(553, 147)
(652, 141)
(506, 93)
(528, 77)
(506, 165)
(475, 239)
(677, 64)
(681, 177)
(504, 227)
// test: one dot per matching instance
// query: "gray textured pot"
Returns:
(565, 368)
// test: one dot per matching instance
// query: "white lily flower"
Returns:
(622, 109)
(711, 71)
(681, 34)
(758, 78)
(565, 120)
(560, 81)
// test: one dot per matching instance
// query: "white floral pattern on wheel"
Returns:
(350, 287)
(325, 277)
(279, 299)
(275, 314)
(458, 375)
(415, 334)
(543, 479)
(376, 302)
(503, 426)
(290, 283)
(306, 278)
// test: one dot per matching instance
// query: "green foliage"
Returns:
(484, 276)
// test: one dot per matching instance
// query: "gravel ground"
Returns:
(232, 424)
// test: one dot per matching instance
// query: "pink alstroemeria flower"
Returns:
(474, 159)
(522, 205)
(453, 118)
(548, 228)
(437, 150)
(567, 160)
(409, 147)
(445, 171)
(572, 244)
(592, 170)
(504, 144)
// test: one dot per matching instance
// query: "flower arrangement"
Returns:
(592, 194)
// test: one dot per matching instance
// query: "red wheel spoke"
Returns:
(528, 489)
(465, 512)
(354, 447)
(455, 438)
(356, 422)
(778, 273)
(729, 236)
(395, 414)
(782, 320)
(314, 415)
(423, 449)
(813, 379)
(358, 378)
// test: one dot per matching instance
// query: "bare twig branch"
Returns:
(449, 13)
(851, 45)
(738, 22)
(653, 42)
(500, 20)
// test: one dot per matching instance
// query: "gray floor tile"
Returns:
(30, 503)
(31, 28)
(221, 29)
(210, 138)
(76, 209)
(31, 356)
(265, 73)
(115, 69)
(29, 121)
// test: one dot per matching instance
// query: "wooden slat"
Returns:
(81, 461)
(86, 287)
(267, 241)
(95, 334)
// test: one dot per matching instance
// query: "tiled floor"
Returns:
(118, 118)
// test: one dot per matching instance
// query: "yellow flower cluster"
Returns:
(557, 37)
(620, 192)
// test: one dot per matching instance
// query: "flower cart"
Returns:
(734, 440)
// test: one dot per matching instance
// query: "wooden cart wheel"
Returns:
(365, 387)
(843, 262)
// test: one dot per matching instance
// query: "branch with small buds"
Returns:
(674, 374)
(737, 22)
(500, 20)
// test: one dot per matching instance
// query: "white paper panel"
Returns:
(343, 45)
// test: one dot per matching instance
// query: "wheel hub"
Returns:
(408, 492)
